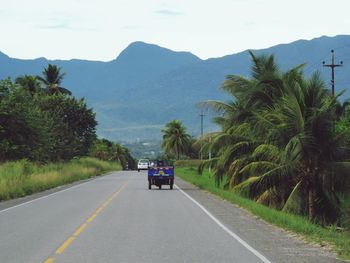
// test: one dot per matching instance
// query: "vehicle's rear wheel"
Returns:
(138, 170)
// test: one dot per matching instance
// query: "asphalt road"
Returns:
(115, 218)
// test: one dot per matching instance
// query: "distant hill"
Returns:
(146, 86)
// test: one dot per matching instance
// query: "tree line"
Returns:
(41, 121)
(110, 151)
(284, 141)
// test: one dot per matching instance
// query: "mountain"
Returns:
(146, 86)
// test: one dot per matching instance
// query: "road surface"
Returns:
(115, 218)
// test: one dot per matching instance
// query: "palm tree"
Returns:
(52, 78)
(237, 117)
(278, 144)
(175, 139)
(120, 154)
(30, 83)
(309, 161)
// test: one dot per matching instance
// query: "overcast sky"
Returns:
(101, 29)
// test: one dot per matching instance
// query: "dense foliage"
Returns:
(283, 141)
(109, 151)
(41, 121)
(39, 124)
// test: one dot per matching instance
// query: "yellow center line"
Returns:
(81, 228)
(91, 218)
(64, 245)
(99, 210)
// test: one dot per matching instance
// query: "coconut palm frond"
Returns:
(207, 163)
(267, 152)
(293, 115)
(234, 151)
(241, 131)
(222, 140)
(272, 178)
(262, 64)
(246, 188)
(295, 202)
(260, 98)
(270, 198)
(220, 121)
(217, 106)
(258, 168)
(293, 151)
(234, 176)
(237, 86)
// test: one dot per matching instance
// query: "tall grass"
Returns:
(22, 178)
(338, 241)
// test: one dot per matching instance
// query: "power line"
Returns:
(309, 68)
(332, 66)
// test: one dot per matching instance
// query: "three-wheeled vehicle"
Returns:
(161, 173)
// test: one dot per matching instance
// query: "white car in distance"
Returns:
(142, 164)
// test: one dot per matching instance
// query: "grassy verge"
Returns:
(338, 241)
(22, 178)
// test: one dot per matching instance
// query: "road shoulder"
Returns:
(275, 243)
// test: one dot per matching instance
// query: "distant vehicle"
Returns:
(161, 173)
(142, 164)
(126, 166)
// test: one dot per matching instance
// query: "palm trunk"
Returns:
(312, 197)
(311, 201)
(178, 152)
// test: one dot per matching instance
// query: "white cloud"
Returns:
(168, 12)
(99, 30)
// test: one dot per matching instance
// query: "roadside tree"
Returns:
(175, 139)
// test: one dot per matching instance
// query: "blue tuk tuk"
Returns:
(161, 173)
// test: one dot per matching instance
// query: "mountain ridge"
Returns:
(146, 85)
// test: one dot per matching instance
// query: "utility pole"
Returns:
(202, 116)
(332, 66)
(209, 154)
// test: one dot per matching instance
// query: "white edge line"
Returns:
(228, 231)
(46, 196)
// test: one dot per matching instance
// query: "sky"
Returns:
(100, 30)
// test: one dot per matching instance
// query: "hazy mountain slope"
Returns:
(147, 85)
